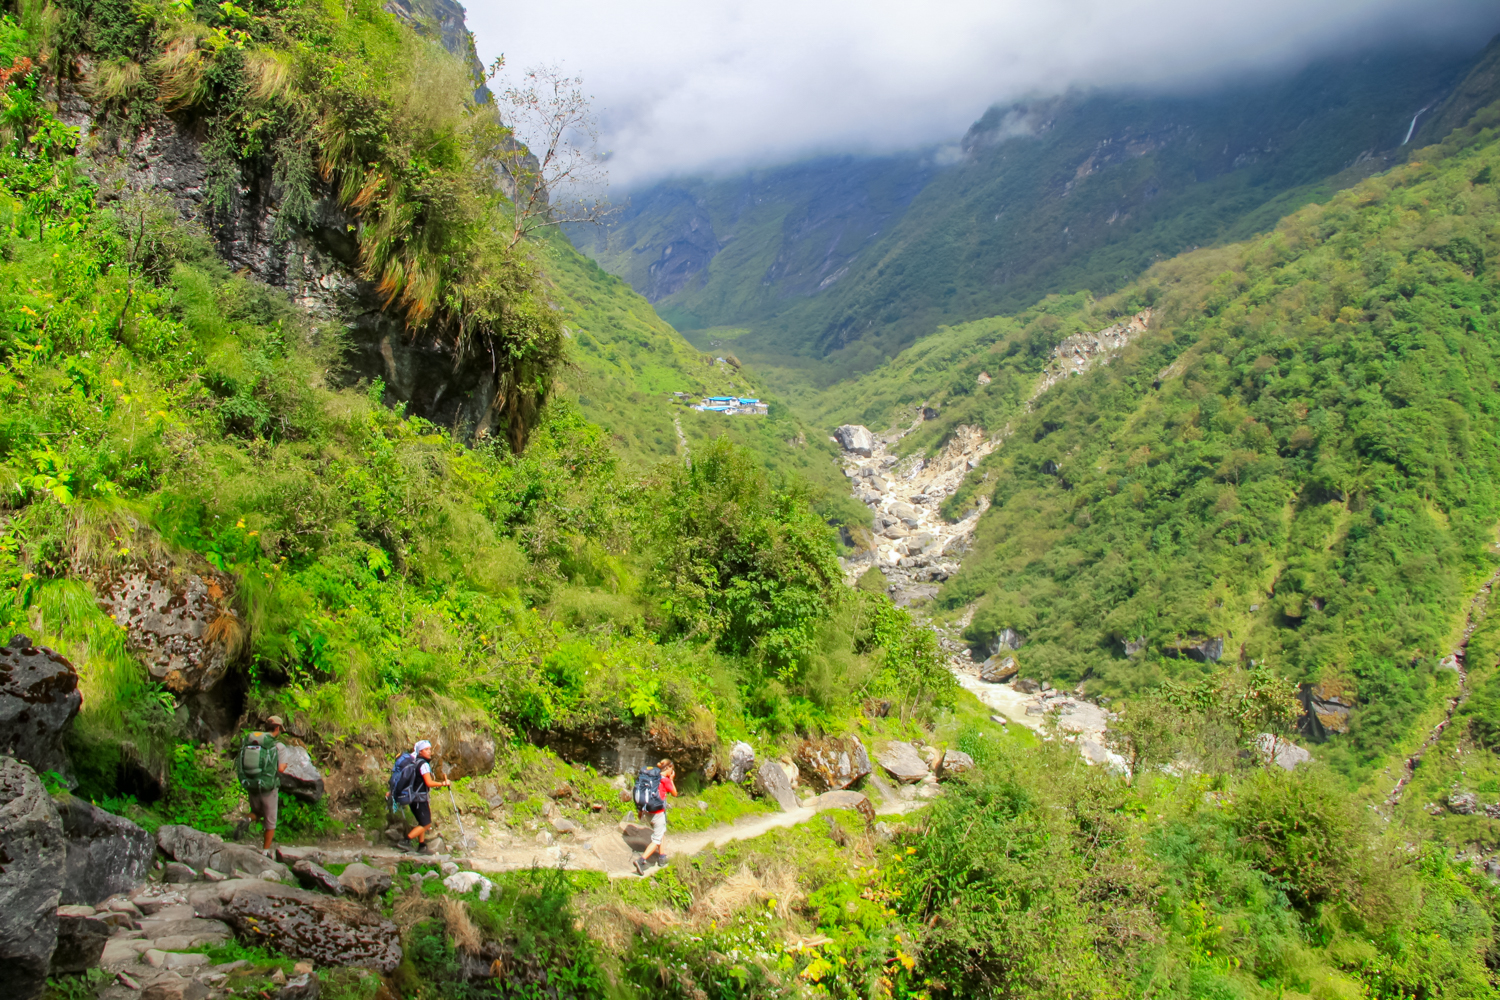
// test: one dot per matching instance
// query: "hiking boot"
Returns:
(660, 860)
(423, 849)
(639, 864)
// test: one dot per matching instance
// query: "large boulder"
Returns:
(999, 668)
(33, 849)
(181, 624)
(314, 876)
(300, 779)
(952, 762)
(772, 782)
(833, 763)
(855, 438)
(80, 940)
(304, 924)
(107, 854)
(903, 762)
(1204, 650)
(1279, 751)
(741, 760)
(38, 698)
(200, 850)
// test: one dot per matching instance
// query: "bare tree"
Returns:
(554, 173)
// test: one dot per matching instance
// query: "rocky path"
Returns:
(1455, 662)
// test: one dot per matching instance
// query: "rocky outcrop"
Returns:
(998, 669)
(204, 850)
(468, 753)
(300, 779)
(1281, 752)
(1325, 710)
(304, 924)
(902, 762)
(772, 782)
(952, 762)
(312, 875)
(834, 763)
(38, 698)
(856, 439)
(32, 856)
(107, 854)
(1204, 650)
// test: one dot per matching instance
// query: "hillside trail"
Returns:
(1454, 661)
(603, 849)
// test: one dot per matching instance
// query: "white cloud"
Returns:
(683, 86)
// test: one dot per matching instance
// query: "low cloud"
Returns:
(685, 88)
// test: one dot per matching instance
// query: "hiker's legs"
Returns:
(422, 812)
(658, 831)
(263, 807)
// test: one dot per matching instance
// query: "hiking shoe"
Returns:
(660, 859)
(639, 865)
(423, 849)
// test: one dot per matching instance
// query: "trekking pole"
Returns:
(463, 838)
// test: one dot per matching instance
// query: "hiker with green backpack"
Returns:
(258, 765)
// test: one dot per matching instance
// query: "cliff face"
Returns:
(315, 261)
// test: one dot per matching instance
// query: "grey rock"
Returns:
(362, 880)
(80, 942)
(902, 761)
(954, 762)
(833, 763)
(1009, 639)
(564, 825)
(1282, 752)
(1026, 685)
(311, 875)
(1463, 803)
(32, 858)
(855, 438)
(197, 849)
(467, 753)
(171, 986)
(1203, 650)
(998, 669)
(38, 698)
(292, 854)
(107, 854)
(1135, 646)
(303, 987)
(741, 760)
(637, 836)
(178, 872)
(772, 782)
(1325, 710)
(307, 925)
(842, 799)
(167, 617)
(301, 778)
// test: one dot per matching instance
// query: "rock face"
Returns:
(306, 925)
(80, 942)
(772, 782)
(833, 763)
(1325, 710)
(203, 850)
(300, 778)
(953, 762)
(172, 621)
(1008, 639)
(903, 762)
(468, 754)
(32, 851)
(107, 854)
(855, 438)
(1207, 650)
(38, 698)
(363, 880)
(741, 760)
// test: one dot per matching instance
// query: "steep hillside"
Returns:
(1297, 458)
(839, 264)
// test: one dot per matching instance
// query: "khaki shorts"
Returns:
(263, 806)
(658, 826)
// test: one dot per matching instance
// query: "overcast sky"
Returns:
(685, 87)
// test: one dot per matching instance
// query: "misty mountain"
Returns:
(838, 263)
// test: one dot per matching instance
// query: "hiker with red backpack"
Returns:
(258, 765)
(411, 782)
(650, 785)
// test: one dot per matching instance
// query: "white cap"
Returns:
(421, 745)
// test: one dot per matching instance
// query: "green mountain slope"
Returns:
(839, 264)
(1299, 457)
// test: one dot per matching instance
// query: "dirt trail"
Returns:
(1455, 662)
(603, 849)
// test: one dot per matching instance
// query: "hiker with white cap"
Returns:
(258, 765)
(411, 781)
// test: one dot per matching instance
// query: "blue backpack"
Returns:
(405, 776)
(647, 794)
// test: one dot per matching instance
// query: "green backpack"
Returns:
(257, 762)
